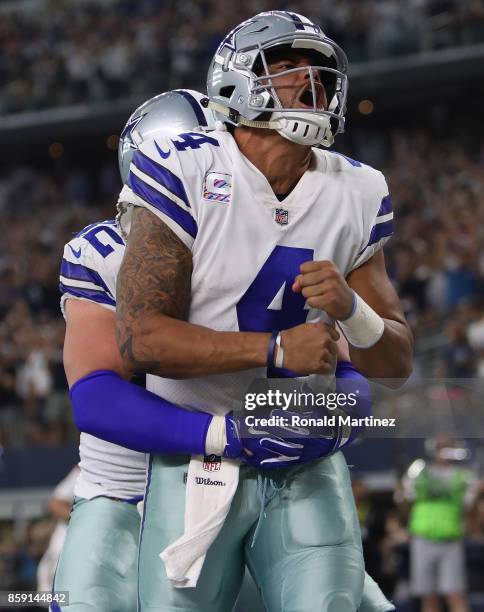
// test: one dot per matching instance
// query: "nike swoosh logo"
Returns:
(162, 153)
(77, 253)
(258, 432)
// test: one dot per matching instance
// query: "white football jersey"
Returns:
(89, 269)
(247, 245)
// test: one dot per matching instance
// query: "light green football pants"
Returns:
(98, 563)
(307, 555)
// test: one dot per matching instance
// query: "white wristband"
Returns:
(364, 327)
(216, 439)
(279, 361)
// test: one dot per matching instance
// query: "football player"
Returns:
(237, 239)
(97, 565)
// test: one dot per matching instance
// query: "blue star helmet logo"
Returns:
(126, 134)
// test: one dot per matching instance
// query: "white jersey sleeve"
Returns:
(377, 212)
(90, 265)
(165, 177)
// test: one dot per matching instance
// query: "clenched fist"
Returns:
(324, 287)
(310, 348)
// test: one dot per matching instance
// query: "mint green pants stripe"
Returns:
(307, 556)
(98, 563)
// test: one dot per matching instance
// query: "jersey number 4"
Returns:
(193, 140)
(270, 303)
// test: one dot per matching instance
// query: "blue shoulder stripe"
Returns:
(96, 224)
(195, 106)
(380, 231)
(82, 273)
(354, 162)
(161, 175)
(89, 294)
(164, 204)
(385, 206)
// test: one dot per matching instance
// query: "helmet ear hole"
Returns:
(226, 92)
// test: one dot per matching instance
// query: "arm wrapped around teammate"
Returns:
(113, 409)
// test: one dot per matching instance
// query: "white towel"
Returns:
(209, 494)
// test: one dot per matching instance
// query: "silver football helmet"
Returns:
(167, 114)
(241, 89)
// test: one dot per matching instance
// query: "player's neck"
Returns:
(281, 161)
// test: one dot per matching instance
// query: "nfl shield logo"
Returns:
(281, 216)
(212, 463)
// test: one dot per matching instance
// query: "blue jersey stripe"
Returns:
(89, 294)
(82, 273)
(385, 206)
(161, 175)
(380, 231)
(354, 162)
(134, 500)
(97, 224)
(195, 106)
(163, 203)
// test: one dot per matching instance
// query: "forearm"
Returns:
(390, 357)
(176, 349)
(112, 409)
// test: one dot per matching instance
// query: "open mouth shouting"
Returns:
(305, 98)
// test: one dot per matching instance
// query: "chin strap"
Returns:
(278, 124)
(223, 110)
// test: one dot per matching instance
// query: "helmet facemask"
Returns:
(323, 92)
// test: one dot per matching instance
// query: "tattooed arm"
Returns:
(153, 301)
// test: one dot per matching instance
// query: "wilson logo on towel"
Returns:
(209, 481)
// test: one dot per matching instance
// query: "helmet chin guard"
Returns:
(304, 128)
(241, 88)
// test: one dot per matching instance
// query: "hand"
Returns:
(310, 348)
(283, 445)
(318, 441)
(324, 287)
(260, 448)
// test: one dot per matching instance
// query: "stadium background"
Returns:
(71, 72)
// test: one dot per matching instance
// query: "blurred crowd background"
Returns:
(58, 56)
(78, 52)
